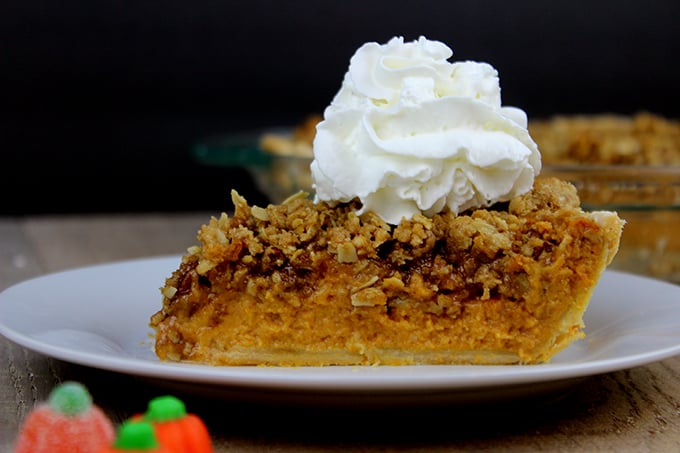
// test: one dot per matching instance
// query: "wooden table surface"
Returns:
(630, 410)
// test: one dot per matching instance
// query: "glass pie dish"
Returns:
(646, 196)
(276, 175)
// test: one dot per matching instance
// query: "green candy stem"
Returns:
(165, 408)
(136, 435)
(70, 398)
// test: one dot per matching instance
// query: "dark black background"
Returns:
(101, 101)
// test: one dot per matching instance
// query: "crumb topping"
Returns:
(642, 139)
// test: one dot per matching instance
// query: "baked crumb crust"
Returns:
(640, 139)
(309, 284)
(299, 143)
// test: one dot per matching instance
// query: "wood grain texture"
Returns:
(629, 410)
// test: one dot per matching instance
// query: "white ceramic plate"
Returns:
(98, 317)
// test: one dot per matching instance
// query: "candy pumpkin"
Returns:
(136, 436)
(67, 422)
(178, 430)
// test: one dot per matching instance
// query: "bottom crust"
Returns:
(301, 357)
(308, 284)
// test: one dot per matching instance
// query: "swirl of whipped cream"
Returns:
(410, 132)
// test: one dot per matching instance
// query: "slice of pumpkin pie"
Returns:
(430, 238)
(308, 284)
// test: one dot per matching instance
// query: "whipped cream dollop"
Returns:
(410, 132)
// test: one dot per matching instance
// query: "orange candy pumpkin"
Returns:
(178, 430)
(67, 422)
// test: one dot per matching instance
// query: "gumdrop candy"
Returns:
(68, 422)
(136, 436)
(179, 431)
